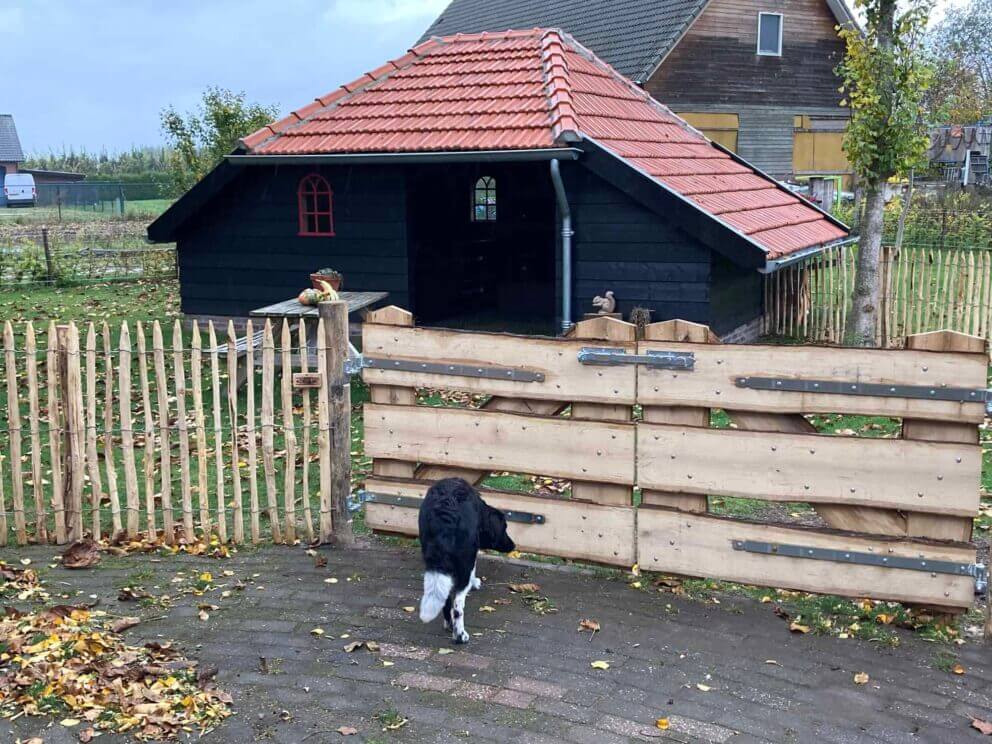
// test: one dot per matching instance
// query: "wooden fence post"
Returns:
(337, 389)
(70, 385)
(49, 265)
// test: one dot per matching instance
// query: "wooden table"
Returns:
(293, 310)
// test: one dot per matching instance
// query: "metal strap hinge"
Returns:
(607, 356)
(488, 372)
(977, 571)
(835, 387)
(414, 503)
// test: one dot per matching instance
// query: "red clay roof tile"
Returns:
(538, 88)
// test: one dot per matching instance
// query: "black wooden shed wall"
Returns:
(242, 251)
(622, 246)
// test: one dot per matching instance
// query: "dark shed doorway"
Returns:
(482, 246)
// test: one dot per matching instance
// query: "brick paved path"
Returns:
(525, 677)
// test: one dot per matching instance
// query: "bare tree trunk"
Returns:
(860, 329)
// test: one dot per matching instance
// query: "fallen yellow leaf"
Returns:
(957, 669)
(861, 678)
(69, 722)
(798, 628)
(600, 665)
(445, 651)
(317, 632)
(588, 625)
(703, 688)
(662, 723)
(409, 609)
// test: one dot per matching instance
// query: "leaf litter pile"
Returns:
(72, 662)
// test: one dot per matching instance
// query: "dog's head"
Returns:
(492, 530)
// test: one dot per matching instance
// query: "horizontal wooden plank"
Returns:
(560, 447)
(890, 473)
(557, 359)
(572, 529)
(700, 545)
(712, 381)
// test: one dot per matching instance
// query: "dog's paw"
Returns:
(476, 583)
(460, 636)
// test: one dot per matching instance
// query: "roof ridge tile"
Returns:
(564, 125)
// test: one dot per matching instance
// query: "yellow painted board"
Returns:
(702, 545)
(889, 473)
(557, 359)
(712, 382)
(583, 450)
(572, 529)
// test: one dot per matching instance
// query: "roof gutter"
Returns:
(456, 156)
(780, 263)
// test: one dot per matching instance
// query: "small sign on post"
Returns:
(307, 380)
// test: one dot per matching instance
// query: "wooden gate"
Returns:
(629, 424)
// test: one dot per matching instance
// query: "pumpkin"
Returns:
(309, 297)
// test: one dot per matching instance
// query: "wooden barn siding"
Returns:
(716, 61)
(735, 296)
(621, 246)
(243, 251)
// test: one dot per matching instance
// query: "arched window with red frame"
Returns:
(316, 203)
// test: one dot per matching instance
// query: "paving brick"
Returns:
(425, 681)
(513, 698)
(393, 650)
(536, 687)
(473, 691)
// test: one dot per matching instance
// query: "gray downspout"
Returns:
(566, 246)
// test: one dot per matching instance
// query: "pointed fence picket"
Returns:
(922, 289)
(106, 434)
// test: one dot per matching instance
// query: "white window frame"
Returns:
(781, 28)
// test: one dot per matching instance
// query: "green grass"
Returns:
(145, 209)
(113, 302)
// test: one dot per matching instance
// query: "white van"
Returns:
(19, 189)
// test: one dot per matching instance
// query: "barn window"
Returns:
(316, 203)
(770, 34)
(484, 200)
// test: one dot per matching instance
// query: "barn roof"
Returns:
(539, 89)
(10, 145)
(633, 36)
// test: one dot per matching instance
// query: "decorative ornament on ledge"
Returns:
(605, 305)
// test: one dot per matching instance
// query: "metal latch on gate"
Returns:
(608, 356)
(414, 503)
(977, 571)
(877, 389)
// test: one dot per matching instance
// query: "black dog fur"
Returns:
(455, 523)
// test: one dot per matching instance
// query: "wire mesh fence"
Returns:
(82, 253)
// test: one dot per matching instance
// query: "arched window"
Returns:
(316, 201)
(484, 200)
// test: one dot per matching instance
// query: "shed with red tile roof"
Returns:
(662, 216)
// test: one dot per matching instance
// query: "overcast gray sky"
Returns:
(96, 73)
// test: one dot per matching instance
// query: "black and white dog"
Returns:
(455, 523)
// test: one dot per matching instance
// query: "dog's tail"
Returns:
(437, 588)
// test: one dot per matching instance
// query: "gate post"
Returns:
(337, 388)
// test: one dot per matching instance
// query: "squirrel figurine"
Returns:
(605, 304)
